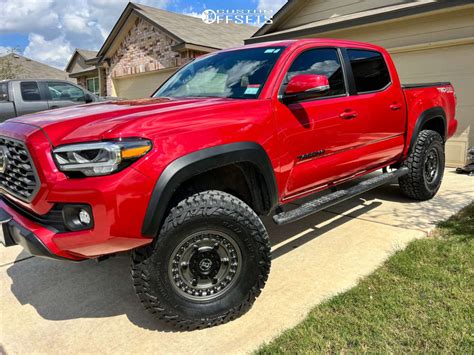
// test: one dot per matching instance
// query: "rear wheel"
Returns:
(208, 264)
(426, 167)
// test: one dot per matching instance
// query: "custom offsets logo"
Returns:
(239, 17)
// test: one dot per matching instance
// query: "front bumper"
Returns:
(15, 234)
(118, 204)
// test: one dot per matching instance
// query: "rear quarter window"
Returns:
(4, 91)
(369, 69)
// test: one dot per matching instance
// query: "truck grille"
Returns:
(17, 173)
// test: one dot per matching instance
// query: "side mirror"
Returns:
(306, 86)
(89, 98)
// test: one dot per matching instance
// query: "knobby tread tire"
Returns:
(205, 204)
(413, 184)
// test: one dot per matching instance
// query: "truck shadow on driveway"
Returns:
(67, 290)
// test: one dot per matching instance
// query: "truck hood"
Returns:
(115, 119)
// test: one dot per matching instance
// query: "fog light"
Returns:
(84, 217)
(78, 217)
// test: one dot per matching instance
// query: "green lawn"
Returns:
(420, 300)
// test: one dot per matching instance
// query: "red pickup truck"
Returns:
(181, 178)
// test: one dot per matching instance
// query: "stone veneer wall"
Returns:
(144, 48)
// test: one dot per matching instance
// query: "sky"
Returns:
(49, 30)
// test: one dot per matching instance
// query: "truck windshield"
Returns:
(238, 74)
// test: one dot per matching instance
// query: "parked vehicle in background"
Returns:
(182, 178)
(20, 97)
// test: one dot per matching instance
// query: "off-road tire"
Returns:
(150, 266)
(416, 184)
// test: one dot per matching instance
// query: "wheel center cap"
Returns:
(205, 264)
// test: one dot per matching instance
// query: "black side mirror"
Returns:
(89, 98)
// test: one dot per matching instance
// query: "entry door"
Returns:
(313, 133)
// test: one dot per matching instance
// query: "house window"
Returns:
(93, 85)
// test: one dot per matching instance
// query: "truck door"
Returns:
(381, 98)
(315, 133)
(62, 94)
(28, 98)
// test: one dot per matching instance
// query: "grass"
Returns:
(420, 300)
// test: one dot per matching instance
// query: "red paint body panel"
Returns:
(421, 99)
(378, 136)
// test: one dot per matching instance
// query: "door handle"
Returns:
(348, 114)
(395, 106)
(53, 107)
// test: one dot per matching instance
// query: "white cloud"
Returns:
(54, 52)
(56, 27)
(5, 50)
(271, 5)
(78, 23)
(27, 15)
(191, 11)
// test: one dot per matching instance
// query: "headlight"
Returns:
(101, 158)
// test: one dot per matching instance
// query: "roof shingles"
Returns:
(30, 69)
(193, 30)
(86, 54)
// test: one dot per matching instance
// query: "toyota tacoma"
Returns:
(181, 179)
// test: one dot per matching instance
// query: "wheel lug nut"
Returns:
(214, 280)
(194, 282)
(184, 264)
(225, 260)
(216, 246)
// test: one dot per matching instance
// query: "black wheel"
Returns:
(426, 167)
(208, 264)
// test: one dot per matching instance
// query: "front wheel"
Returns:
(208, 264)
(426, 167)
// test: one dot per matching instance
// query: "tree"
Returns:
(9, 68)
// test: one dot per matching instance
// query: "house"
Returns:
(147, 45)
(82, 67)
(429, 41)
(15, 66)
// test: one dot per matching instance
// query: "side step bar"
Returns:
(334, 198)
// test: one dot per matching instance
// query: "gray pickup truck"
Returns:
(19, 97)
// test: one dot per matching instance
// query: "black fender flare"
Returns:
(187, 166)
(426, 116)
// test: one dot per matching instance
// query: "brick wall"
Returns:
(144, 48)
(82, 81)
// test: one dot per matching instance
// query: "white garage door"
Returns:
(141, 85)
(454, 64)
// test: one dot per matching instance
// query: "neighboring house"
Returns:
(82, 66)
(428, 40)
(147, 45)
(19, 67)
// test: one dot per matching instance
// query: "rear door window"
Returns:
(369, 69)
(30, 91)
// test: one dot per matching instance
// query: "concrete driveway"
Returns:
(51, 306)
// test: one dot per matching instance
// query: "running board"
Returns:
(334, 198)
